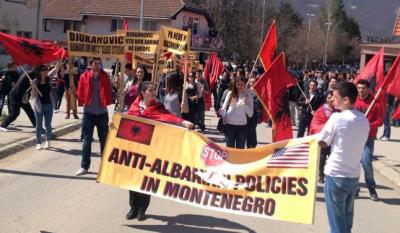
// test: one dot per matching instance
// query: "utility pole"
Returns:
(262, 24)
(308, 40)
(141, 15)
(329, 23)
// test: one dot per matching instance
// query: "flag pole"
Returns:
(304, 94)
(30, 79)
(373, 101)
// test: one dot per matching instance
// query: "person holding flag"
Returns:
(375, 118)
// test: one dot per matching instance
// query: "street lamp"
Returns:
(308, 40)
(325, 61)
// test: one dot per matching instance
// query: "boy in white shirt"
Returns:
(346, 132)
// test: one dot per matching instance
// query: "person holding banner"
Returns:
(67, 86)
(94, 93)
(346, 132)
(147, 106)
(318, 121)
(238, 105)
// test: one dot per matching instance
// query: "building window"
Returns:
(46, 25)
(18, 1)
(192, 23)
(150, 26)
(116, 24)
(67, 26)
(77, 26)
(24, 34)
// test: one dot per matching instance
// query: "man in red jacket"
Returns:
(94, 94)
(375, 118)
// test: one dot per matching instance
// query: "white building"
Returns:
(20, 17)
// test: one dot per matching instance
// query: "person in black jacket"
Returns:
(19, 98)
(308, 104)
(8, 81)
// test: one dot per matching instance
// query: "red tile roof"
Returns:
(396, 30)
(76, 9)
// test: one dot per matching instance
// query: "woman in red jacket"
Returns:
(146, 106)
(320, 117)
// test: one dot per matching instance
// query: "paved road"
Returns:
(40, 194)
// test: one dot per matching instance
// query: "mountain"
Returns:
(375, 17)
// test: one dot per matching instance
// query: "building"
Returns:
(368, 50)
(106, 16)
(19, 17)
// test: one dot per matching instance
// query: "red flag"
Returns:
(30, 51)
(217, 68)
(391, 84)
(268, 48)
(208, 65)
(125, 25)
(374, 73)
(271, 88)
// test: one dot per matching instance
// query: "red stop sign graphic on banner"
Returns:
(212, 155)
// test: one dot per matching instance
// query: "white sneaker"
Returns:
(3, 129)
(38, 147)
(81, 172)
(55, 111)
(47, 144)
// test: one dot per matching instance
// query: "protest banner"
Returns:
(174, 40)
(140, 41)
(87, 45)
(276, 181)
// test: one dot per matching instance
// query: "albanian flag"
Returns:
(271, 89)
(374, 73)
(29, 51)
(268, 48)
(135, 131)
(391, 84)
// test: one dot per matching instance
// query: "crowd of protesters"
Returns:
(176, 100)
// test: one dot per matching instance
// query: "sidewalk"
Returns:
(22, 135)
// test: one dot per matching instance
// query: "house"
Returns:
(106, 16)
(19, 17)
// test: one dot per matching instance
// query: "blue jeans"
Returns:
(366, 162)
(90, 121)
(386, 123)
(339, 199)
(47, 114)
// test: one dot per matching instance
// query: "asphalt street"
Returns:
(39, 193)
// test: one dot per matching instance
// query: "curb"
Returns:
(387, 171)
(28, 142)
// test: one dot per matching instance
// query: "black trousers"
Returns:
(139, 200)
(235, 135)
(322, 159)
(251, 141)
(16, 110)
(304, 123)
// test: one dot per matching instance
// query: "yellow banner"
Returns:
(174, 40)
(140, 41)
(87, 45)
(275, 181)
